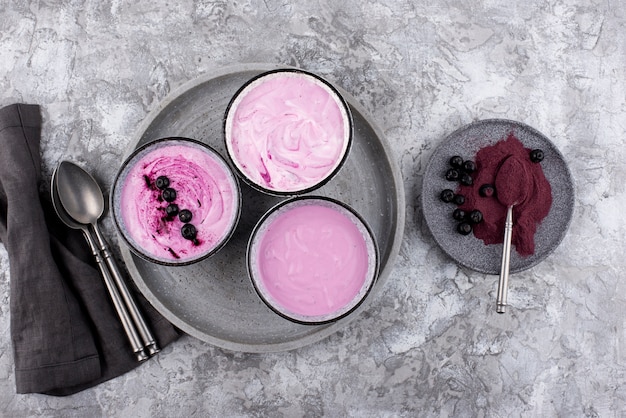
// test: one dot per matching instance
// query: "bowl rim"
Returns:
(289, 193)
(375, 271)
(117, 187)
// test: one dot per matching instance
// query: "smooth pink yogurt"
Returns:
(287, 131)
(312, 260)
(204, 185)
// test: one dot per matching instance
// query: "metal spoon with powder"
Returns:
(512, 185)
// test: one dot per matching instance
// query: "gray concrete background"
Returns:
(431, 344)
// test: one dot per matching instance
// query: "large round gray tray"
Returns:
(214, 300)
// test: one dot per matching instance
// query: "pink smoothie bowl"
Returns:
(312, 260)
(287, 132)
(175, 201)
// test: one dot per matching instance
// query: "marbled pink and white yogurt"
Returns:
(312, 260)
(203, 184)
(287, 131)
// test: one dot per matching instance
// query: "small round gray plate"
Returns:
(468, 250)
(214, 300)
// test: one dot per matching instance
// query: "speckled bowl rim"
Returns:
(362, 225)
(436, 215)
(117, 188)
(325, 179)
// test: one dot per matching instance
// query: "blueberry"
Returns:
(447, 195)
(536, 156)
(171, 209)
(189, 231)
(453, 174)
(464, 228)
(459, 199)
(476, 216)
(456, 161)
(185, 215)
(169, 194)
(162, 182)
(469, 166)
(487, 190)
(466, 179)
(459, 214)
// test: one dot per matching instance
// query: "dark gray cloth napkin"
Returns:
(66, 335)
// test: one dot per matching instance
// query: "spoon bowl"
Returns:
(62, 214)
(79, 193)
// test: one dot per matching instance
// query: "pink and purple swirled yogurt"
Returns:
(182, 174)
(312, 260)
(287, 131)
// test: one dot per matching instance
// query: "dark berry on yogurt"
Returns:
(162, 182)
(189, 232)
(185, 215)
(171, 209)
(169, 194)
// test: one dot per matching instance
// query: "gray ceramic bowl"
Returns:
(287, 132)
(312, 259)
(161, 185)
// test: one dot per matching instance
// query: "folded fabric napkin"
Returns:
(66, 335)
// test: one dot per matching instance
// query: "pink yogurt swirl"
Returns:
(204, 185)
(313, 260)
(287, 131)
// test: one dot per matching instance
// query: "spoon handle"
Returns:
(118, 303)
(148, 339)
(503, 283)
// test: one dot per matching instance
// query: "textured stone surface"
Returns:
(432, 344)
